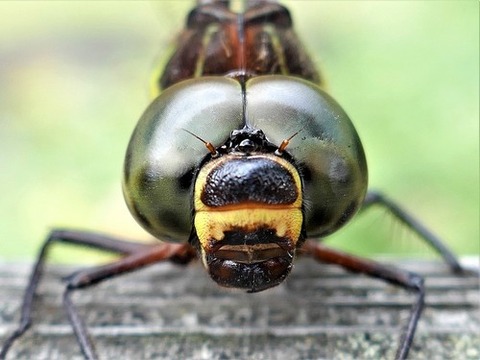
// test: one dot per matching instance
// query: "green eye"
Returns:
(162, 157)
(326, 150)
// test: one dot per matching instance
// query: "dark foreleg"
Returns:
(376, 198)
(85, 239)
(407, 280)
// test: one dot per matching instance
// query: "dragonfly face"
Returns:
(282, 160)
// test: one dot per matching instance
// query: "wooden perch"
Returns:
(320, 312)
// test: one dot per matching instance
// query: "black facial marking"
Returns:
(259, 180)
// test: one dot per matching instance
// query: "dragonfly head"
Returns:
(269, 162)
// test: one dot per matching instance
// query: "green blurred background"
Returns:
(74, 80)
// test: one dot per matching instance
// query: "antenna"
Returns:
(208, 145)
(285, 143)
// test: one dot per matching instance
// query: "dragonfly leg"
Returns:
(377, 198)
(88, 277)
(407, 280)
(75, 237)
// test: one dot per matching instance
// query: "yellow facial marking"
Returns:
(212, 222)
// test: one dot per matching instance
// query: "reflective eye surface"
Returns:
(327, 149)
(162, 157)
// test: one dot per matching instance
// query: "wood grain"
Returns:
(174, 312)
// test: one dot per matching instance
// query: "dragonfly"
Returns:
(243, 162)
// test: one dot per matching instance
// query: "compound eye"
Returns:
(326, 149)
(162, 154)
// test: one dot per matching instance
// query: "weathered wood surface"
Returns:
(320, 312)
